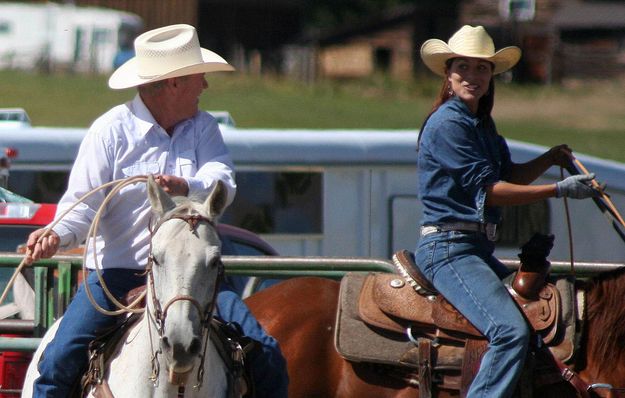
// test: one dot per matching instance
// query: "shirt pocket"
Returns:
(141, 168)
(187, 163)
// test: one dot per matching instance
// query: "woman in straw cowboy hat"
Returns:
(161, 132)
(465, 176)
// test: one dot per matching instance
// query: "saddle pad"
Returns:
(356, 341)
(566, 342)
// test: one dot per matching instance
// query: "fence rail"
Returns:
(56, 279)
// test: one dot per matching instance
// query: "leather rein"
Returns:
(160, 313)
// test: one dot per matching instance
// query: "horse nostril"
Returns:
(195, 346)
(165, 342)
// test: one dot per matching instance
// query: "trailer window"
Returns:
(39, 186)
(277, 202)
(520, 223)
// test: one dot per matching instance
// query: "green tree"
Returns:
(328, 14)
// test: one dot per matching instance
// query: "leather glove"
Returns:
(577, 187)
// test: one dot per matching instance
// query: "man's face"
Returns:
(189, 89)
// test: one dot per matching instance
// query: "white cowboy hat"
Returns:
(166, 52)
(471, 42)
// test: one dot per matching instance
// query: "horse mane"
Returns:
(606, 311)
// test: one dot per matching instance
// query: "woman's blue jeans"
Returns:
(65, 358)
(463, 269)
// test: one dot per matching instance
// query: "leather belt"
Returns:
(489, 229)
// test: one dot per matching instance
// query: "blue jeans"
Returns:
(65, 358)
(463, 269)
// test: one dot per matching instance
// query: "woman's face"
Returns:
(470, 79)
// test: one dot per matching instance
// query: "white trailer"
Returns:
(341, 192)
(63, 36)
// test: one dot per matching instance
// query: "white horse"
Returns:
(184, 272)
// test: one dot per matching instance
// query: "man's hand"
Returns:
(174, 186)
(38, 247)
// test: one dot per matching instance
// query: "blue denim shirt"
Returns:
(459, 156)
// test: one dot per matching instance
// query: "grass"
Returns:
(589, 116)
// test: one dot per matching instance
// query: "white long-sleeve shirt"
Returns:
(124, 142)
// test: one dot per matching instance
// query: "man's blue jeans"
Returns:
(65, 358)
(463, 269)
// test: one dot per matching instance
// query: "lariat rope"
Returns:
(604, 196)
(569, 228)
(118, 185)
(92, 234)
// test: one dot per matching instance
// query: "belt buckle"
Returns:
(491, 232)
(429, 229)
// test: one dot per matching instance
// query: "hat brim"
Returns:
(435, 53)
(127, 76)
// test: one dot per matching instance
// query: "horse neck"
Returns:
(605, 326)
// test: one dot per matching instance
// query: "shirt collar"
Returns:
(145, 120)
(459, 105)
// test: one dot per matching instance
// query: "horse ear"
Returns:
(159, 199)
(215, 204)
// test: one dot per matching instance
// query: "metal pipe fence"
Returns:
(56, 279)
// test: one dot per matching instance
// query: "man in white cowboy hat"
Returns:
(160, 132)
(465, 176)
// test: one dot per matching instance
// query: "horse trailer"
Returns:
(340, 192)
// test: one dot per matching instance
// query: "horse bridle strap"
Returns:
(161, 314)
(205, 314)
(191, 219)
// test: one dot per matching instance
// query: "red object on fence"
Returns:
(13, 366)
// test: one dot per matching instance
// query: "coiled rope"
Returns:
(91, 235)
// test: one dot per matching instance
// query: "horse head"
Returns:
(184, 273)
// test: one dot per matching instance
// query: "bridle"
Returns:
(160, 313)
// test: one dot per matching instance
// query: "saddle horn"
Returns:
(532, 274)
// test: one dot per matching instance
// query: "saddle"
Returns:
(414, 328)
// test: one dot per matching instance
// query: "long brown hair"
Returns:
(484, 108)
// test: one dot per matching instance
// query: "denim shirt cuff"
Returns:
(480, 202)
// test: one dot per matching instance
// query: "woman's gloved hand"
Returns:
(578, 187)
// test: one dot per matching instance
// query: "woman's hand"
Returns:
(579, 186)
(560, 155)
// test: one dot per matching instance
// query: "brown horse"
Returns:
(301, 312)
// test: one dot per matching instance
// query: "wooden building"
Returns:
(560, 39)
(384, 44)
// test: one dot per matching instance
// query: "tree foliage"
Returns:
(328, 14)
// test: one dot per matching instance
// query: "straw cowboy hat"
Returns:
(471, 42)
(167, 52)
